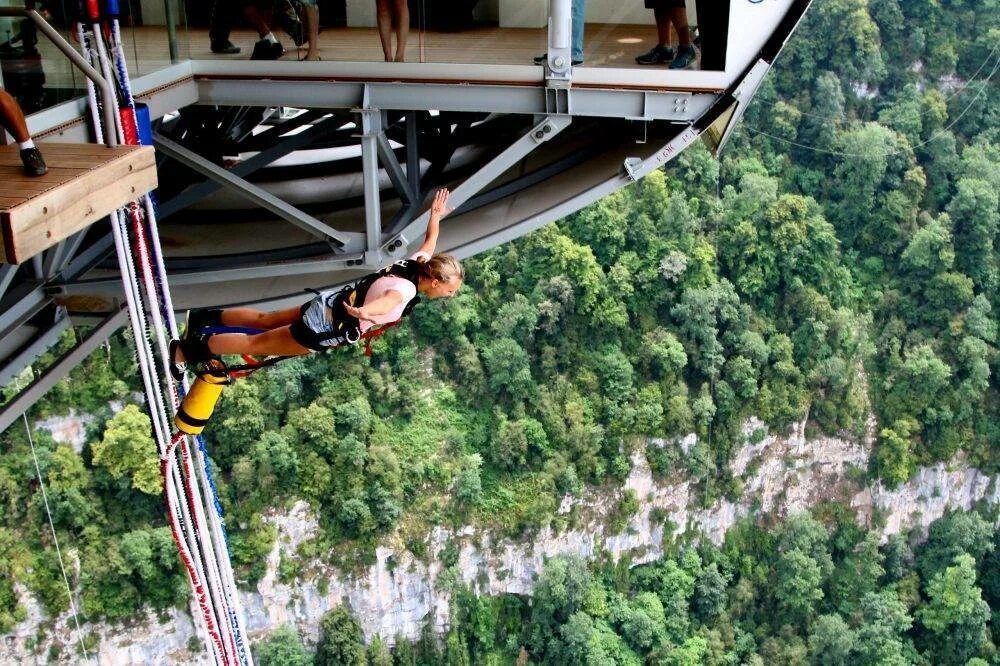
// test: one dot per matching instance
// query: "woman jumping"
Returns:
(332, 318)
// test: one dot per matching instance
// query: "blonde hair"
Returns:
(442, 267)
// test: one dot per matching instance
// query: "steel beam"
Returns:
(257, 195)
(653, 104)
(395, 171)
(12, 366)
(558, 65)
(7, 272)
(40, 386)
(22, 303)
(371, 128)
(285, 146)
(549, 127)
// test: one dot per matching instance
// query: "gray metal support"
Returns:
(36, 389)
(107, 94)
(371, 128)
(13, 365)
(413, 153)
(539, 134)
(25, 301)
(52, 258)
(287, 145)
(258, 195)
(395, 170)
(559, 67)
(7, 272)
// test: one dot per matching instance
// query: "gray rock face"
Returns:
(398, 594)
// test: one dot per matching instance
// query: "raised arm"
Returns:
(439, 208)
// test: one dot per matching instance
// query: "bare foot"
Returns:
(400, 57)
(312, 56)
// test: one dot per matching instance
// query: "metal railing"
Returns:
(108, 105)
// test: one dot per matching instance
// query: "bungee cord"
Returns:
(194, 512)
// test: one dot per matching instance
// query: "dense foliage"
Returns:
(840, 259)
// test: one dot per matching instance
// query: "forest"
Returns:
(839, 260)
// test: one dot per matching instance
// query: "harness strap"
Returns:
(373, 333)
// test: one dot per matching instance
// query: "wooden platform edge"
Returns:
(52, 216)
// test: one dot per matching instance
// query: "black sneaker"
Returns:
(542, 59)
(34, 163)
(265, 49)
(225, 47)
(176, 367)
(658, 55)
(684, 59)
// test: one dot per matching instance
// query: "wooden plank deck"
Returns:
(85, 182)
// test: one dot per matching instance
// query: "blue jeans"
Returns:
(579, 8)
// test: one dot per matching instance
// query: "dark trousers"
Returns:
(224, 14)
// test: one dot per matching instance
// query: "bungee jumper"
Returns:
(360, 311)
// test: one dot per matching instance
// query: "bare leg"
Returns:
(679, 17)
(384, 17)
(12, 117)
(276, 342)
(401, 15)
(662, 26)
(312, 26)
(251, 318)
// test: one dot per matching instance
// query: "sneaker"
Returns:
(265, 49)
(544, 58)
(225, 47)
(685, 58)
(658, 55)
(34, 163)
(177, 367)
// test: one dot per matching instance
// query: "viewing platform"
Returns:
(85, 182)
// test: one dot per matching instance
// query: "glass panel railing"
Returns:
(494, 32)
(655, 35)
(35, 72)
(154, 33)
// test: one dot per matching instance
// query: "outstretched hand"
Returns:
(439, 207)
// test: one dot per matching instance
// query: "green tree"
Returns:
(127, 449)
(955, 613)
(282, 647)
(340, 641)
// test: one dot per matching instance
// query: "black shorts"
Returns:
(315, 336)
(665, 4)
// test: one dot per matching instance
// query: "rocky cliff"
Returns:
(398, 594)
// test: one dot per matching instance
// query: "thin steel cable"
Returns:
(948, 98)
(55, 539)
(934, 137)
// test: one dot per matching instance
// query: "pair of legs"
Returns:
(393, 16)
(665, 16)
(276, 340)
(312, 31)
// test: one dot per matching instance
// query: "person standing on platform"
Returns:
(393, 16)
(12, 119)
(224, 15)
(666, 12)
